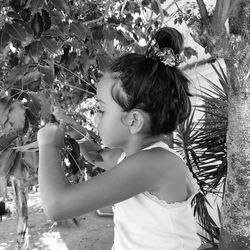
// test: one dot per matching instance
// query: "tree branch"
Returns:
(123, 6)
(160, 10)
(203, 11)
(223, 9)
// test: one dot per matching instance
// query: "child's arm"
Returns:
(62, 200)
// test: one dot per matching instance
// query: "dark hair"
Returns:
(149, 85)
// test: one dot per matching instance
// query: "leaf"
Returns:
(6, 161)
(75, 149)
(4, 39)
(37, 25)
(35, 50)
(31, 77)
(189, 52)
(109, 33)
(48, 74)
(26, 124)
(5, 104)
(60, 5)
(17, 169)
(16, 116)
(79, 30)
(103, 61)
(6, 139)
(16, 30)
(30, 159)
(55, 32)
(26, 26)
(45, 106)
(155, 7)
(25, 14)
(145, 3)
(46, 19)
(33, 108)
(16, 73)
(36, 5)
(14, 15)
(50, 44)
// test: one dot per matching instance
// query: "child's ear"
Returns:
(136, 121)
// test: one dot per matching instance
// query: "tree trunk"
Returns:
(235, 228)
(21, 206)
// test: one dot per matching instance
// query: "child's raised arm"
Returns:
(62, 199)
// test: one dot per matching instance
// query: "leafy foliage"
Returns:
(52, 53)
(203, 144)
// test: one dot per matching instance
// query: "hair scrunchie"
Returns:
(164, 55)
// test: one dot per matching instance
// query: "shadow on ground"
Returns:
(92, 233)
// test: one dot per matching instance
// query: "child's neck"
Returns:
(137, 143)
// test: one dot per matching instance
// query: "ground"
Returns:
(92, 233)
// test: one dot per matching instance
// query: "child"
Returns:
(141, 99)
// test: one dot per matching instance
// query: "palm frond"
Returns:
(203, 144)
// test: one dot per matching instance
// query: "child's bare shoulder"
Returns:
(163, 160)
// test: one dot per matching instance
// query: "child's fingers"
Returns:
(62, 125)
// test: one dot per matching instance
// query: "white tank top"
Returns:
(144, 222)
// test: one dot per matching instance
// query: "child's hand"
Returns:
(51, 135)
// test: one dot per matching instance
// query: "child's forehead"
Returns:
(104, 86)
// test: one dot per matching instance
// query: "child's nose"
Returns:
(97, 119)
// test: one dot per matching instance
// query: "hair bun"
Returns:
(168, 37)
(166, 46)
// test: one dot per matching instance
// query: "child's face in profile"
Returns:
(113, 132)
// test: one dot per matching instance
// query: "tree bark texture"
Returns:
(21, 206)
(235, 228)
